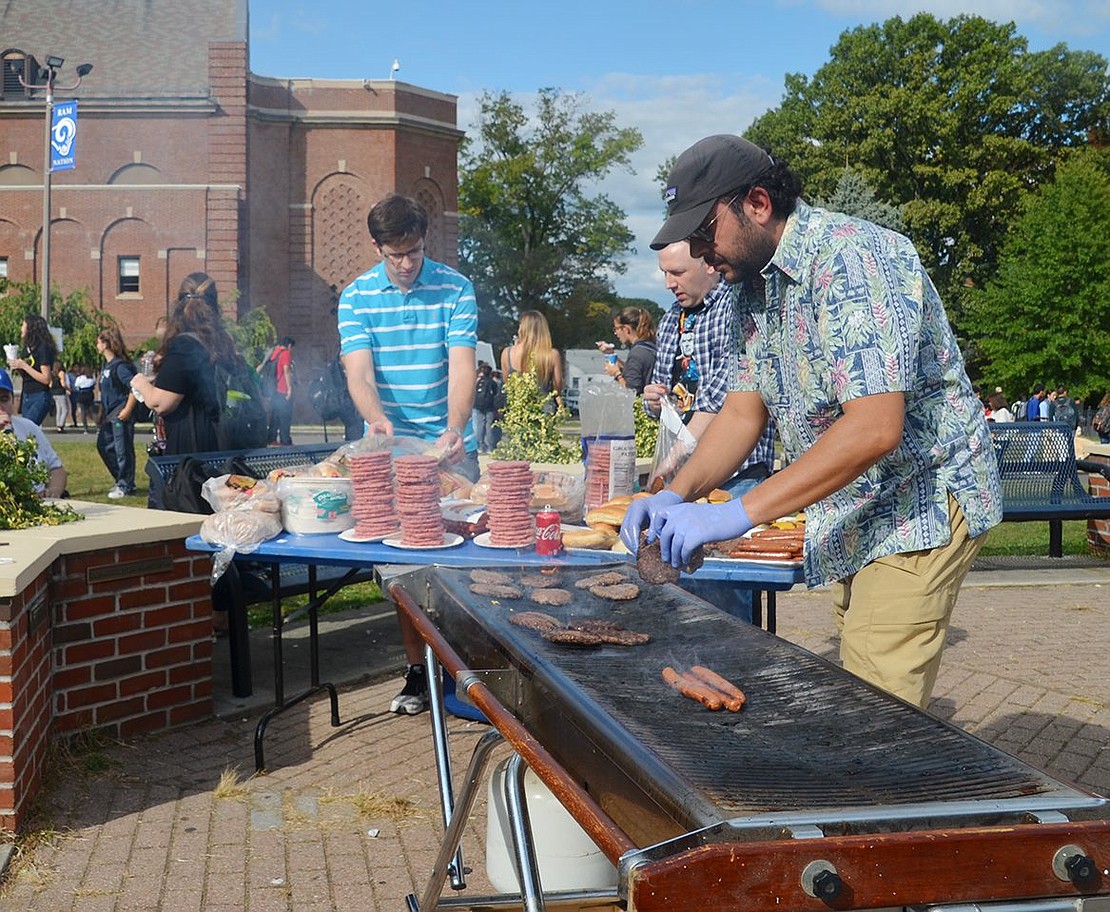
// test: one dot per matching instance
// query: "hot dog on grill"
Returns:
(693, 689)
(733, 696)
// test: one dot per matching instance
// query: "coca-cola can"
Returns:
(549, 532)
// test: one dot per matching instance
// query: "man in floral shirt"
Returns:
(845, 343)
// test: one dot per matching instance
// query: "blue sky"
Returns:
(676, 70)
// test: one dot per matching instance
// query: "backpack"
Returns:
(141, 411)
(328, 393)
(1101, 421)
(1065, 412)
(267, 373)
(243, 424)
(485, 394)
(182, 490)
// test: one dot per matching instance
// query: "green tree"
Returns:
(854, 196)
(1046, 316)
(74, 314)
(953, 121)
(531, 235)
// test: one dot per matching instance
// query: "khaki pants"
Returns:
(893, 614)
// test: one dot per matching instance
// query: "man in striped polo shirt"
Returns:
(408, 329)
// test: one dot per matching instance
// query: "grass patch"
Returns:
(350, 598)
(230, 786)
(1031, 538)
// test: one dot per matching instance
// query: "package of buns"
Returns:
(237, 532)
(240, 492)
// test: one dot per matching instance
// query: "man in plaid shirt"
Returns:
(695, 358)
(695, 362)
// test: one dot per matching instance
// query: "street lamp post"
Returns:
(48, 72)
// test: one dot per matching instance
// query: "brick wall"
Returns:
(1098, 530)
(117, 641)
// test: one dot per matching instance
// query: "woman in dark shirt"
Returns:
(634, 326)
(36, 363)
(183, 392)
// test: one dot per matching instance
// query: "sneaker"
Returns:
(116, 494)
(414, 698)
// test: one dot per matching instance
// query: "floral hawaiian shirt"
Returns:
(851, 312)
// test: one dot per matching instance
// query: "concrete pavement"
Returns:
(348, 819)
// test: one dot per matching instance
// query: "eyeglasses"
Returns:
(706, 233)
(413, 255)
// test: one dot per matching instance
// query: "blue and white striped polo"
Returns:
(409, 336)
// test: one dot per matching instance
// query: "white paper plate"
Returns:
(450, 540)
(349, 536)
(483, 541)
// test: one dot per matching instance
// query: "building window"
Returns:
(3, 267)
(128, 275)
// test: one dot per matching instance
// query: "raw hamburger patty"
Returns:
(608, 578)
(534, 620)
(490, 576)
(550, 596)
(496, 590)
(617, 592)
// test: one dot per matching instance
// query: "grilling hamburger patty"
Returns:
(534, 620)
(490, 576)
(496, 590)
(550, 596)
(608, 578)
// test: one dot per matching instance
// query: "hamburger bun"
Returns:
(718, 496)
(621, 500)
(611, 515)
(595, 539)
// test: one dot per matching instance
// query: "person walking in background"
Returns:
(38, 352)
(1046, 411)
(1100, 423)
(183, 390)
(634, 327)
(485, 407)
(1064, 409)
(116, 440)
(999, 412)
(59, 390)
(84, 385)
(71, 376)
(1033, 405)
(280, 365)
(532, 352)
(408, 329)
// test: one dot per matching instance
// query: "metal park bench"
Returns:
(1040, 477)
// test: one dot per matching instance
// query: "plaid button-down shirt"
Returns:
(714, 353)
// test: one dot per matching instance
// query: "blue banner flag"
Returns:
(63, 136)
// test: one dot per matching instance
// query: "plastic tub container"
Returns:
(566, 856)
(311, 505)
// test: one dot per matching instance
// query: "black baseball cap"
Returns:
(709, 169)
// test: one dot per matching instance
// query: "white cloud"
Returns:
(672, 112)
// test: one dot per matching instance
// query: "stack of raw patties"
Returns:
(598, 462)
(375, 508)
(507, 515)
(418, 501)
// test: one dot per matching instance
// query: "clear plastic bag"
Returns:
(240, 492)
(673, 447)
(608, 442)
(237, 532)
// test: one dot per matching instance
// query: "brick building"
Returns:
(187, 161)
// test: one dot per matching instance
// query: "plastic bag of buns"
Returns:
(562, 492)
(237, 532)
(673, 445)
(240, 492)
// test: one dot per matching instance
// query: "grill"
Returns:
(702, 809)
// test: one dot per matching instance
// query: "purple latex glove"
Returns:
(641, 512)
(683, 527)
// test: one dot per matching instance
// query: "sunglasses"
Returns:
(706, 233)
